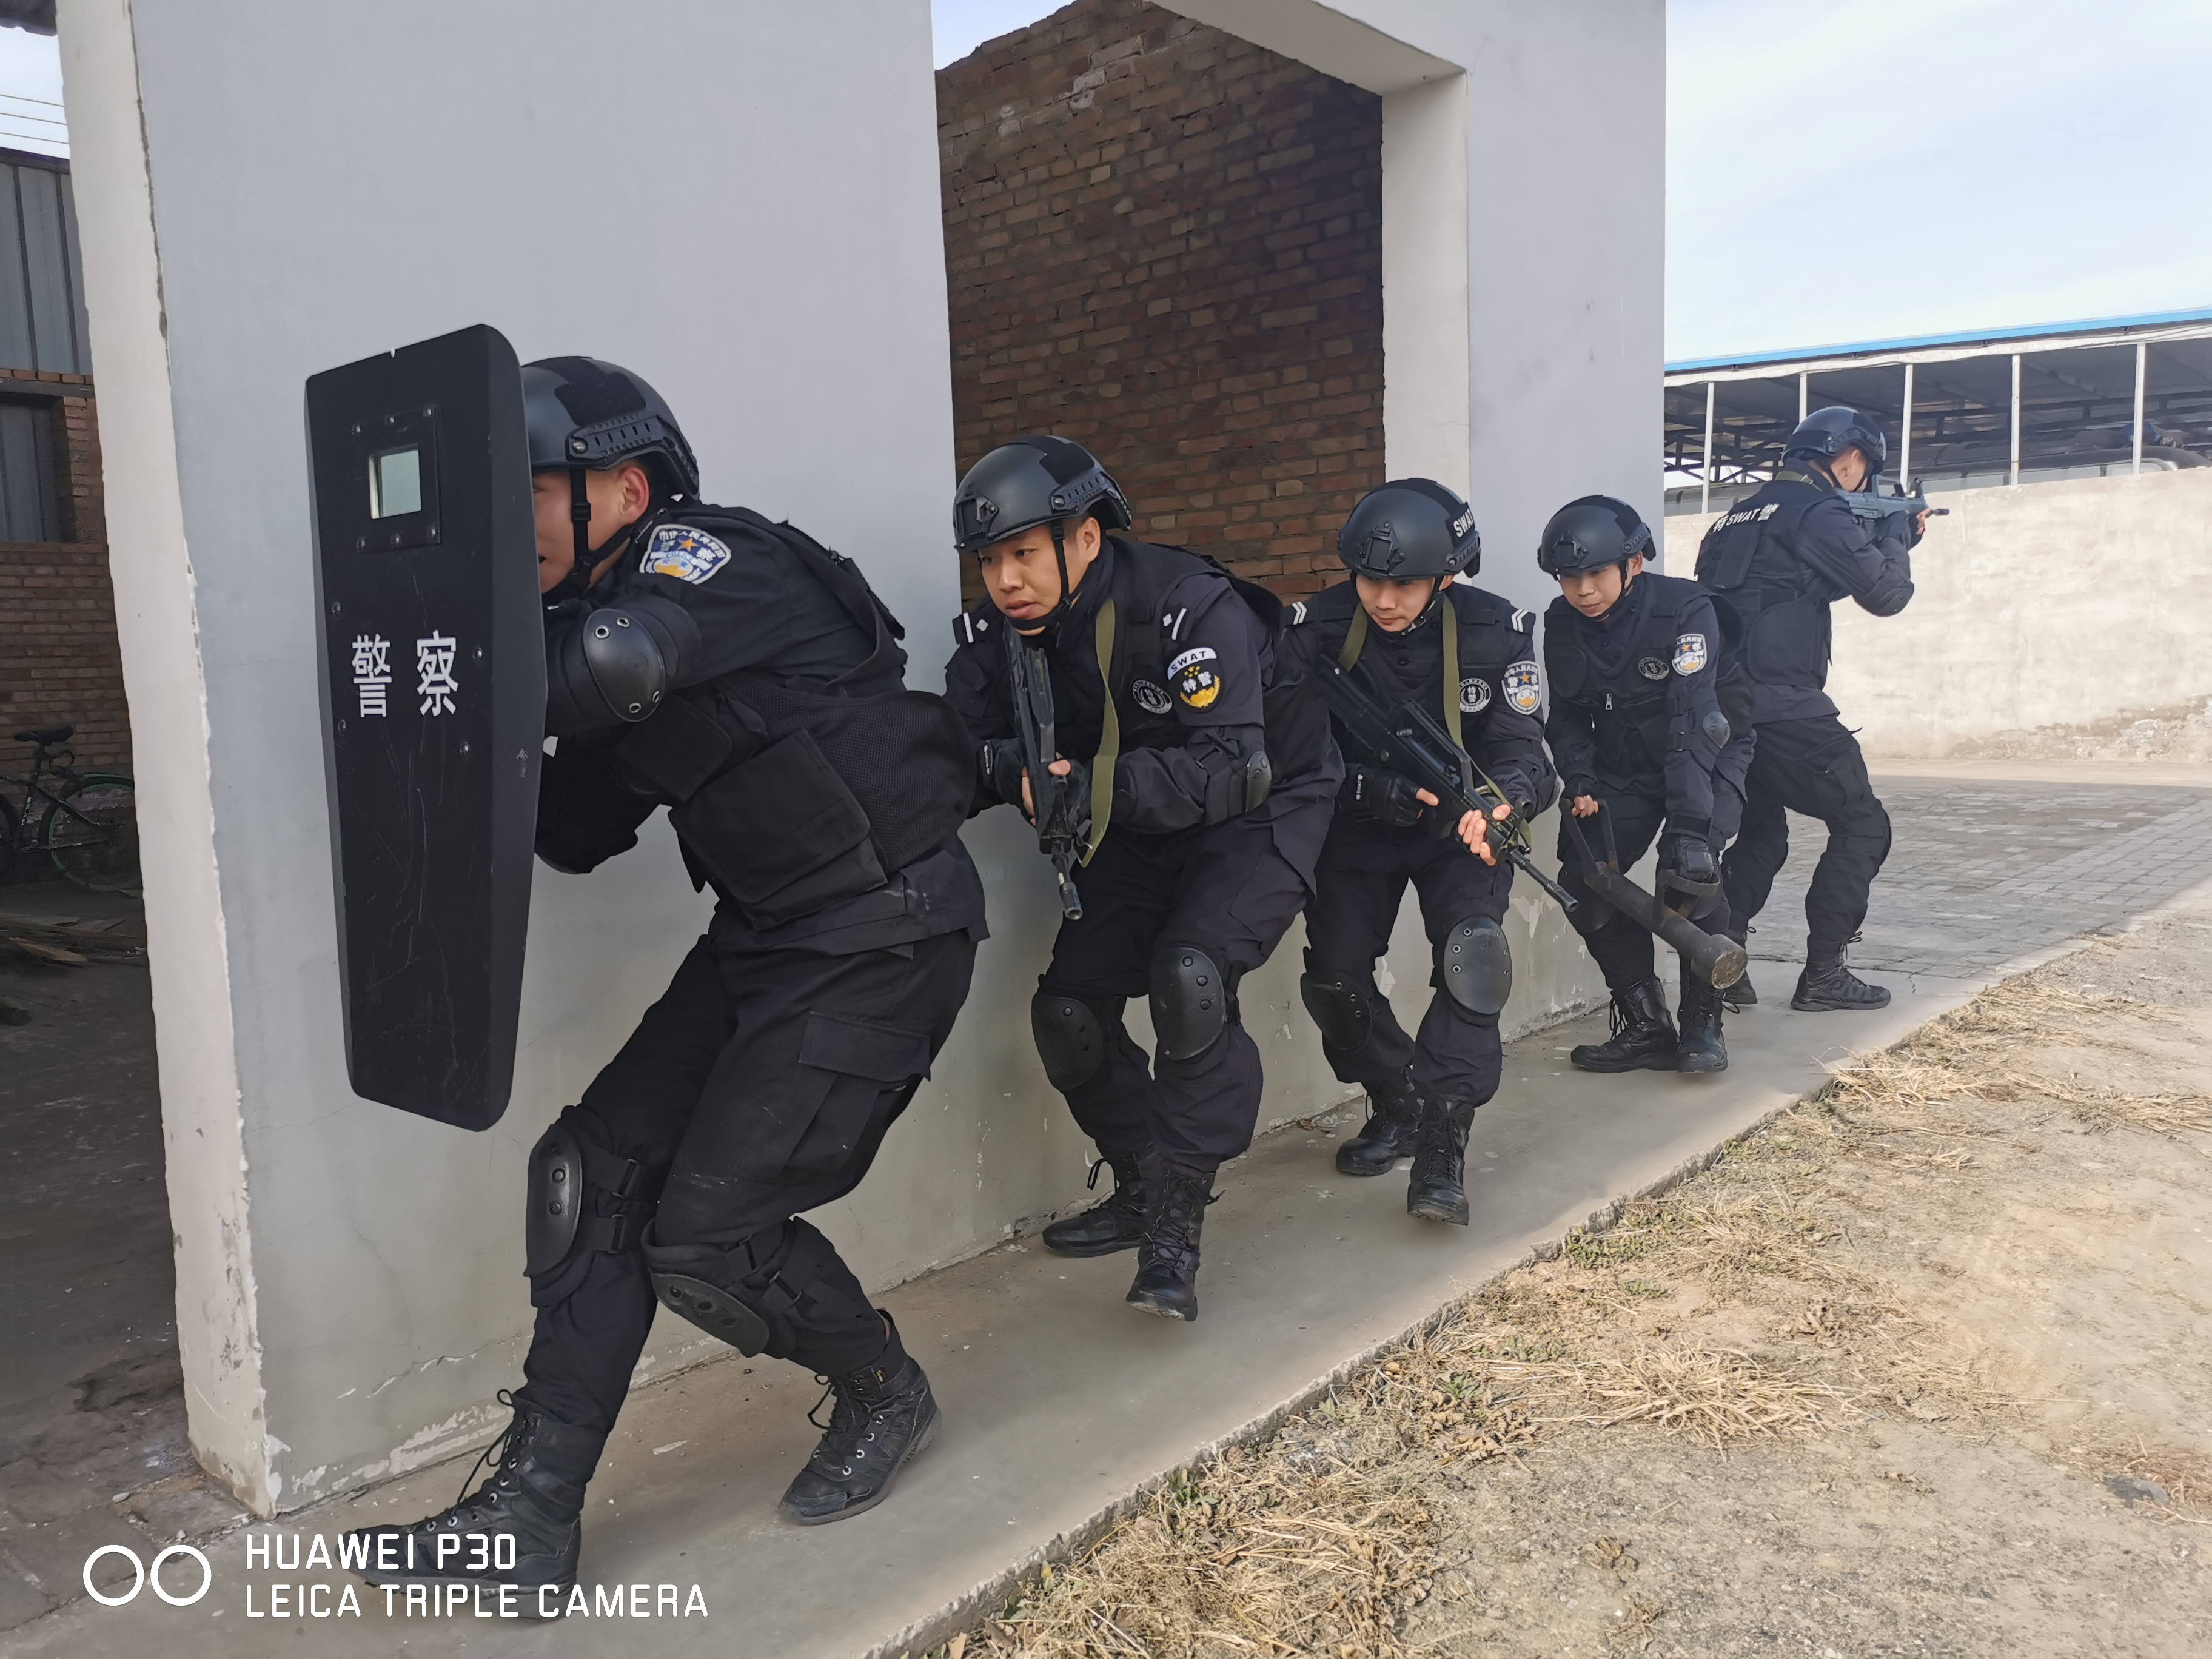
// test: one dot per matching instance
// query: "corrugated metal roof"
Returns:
(1940, 342)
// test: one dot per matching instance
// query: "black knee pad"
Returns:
(1192, 1001)
(745, 1294)
(1475, 967)
(1071, 1039)
(1341, 1004)
(583, 1198)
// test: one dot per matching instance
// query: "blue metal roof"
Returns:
(1972, 336)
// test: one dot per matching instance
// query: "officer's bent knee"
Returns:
(1474, 966)
(1069, 1039)
(1339, 1003)
(582, 1197)
(1190, 1001)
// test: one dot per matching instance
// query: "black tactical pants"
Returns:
(1361, 878)
(1624, 950)
(1814, 767)
(762, 1082)
(1227, 890)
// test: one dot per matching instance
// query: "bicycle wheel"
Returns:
(91, 833)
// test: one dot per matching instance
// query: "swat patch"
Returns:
(1195, 681)
(1152, 699)
(1474, 695)
(1689, 653)
(1523, 685)
(1651, 668)
(688, 555)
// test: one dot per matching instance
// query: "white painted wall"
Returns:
(2046, 607)
(269, 191)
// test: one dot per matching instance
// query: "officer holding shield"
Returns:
(737, 672)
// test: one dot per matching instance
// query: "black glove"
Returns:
(1372, 795)
(999, 765)
(1690, 858)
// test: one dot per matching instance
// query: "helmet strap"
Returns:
(1066, 588)
(585, 557)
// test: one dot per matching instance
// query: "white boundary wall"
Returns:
(746, 213)
(2054, 606)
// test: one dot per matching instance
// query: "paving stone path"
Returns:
(1982, 872)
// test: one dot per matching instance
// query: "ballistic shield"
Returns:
(433, 712)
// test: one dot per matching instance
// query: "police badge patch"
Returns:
(1474, 695)
(1152, 699)
(688, 555)
(1523, 685)
(1689, 653)
(1195, 681)
(1651, 668)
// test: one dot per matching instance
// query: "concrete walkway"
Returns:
(1060, 1402)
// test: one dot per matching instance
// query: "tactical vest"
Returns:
(1641, 688)
(789, 797)
(1479, 637)
(1136, 635)
(1750, 555)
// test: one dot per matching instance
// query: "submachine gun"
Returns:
(1062, 804)
(1870, 506)
(1410, 741)
(1718, 960)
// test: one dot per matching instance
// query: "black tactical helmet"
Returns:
(589, 414)
(1829, 432)
(1039, 479)
(1409, 529)
(1590, 533)
(583, 414)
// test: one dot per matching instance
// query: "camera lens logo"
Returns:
(140, 1573)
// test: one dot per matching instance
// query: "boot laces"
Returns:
(508, 1449)
(1172, 1225)
(854, 1424)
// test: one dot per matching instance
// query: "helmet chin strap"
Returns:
(584, 558)
(1066, 588)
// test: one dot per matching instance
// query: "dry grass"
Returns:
(1319, 1539)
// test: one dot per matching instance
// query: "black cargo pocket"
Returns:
(874, 1071)
(674, 751)
(783, 816)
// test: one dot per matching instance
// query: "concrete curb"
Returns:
(958, 1615)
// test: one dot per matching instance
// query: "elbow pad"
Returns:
(615, 666)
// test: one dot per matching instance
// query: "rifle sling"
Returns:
(1355, 641)
(1109, 735)
(1449, 622)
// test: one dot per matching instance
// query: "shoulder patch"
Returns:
(1523, 621)
(1298, 612)
(688, 555)
(1689, 652)
(1651, 668)
(1523, 685)
(1197, 680)
(970, 626)
(1151, 698)
(1474, 695)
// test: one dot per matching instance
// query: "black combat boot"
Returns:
(535, 1493)
(1394, 1123)
(1437, 1190)
(884, 1416)
(1827, 985)
(1642, 1036)
(1167, 1262)
(1701, 1048)
(1118, 1224)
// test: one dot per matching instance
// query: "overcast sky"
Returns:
(1850, 172)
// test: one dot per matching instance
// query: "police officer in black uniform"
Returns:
(1415, 631)
(1781, 557)
(1209, 777)
(736, 671)
(1650, 727)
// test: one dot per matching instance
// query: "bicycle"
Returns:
(88, 822)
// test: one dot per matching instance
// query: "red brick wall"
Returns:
(58, 659)
(1166, 243)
